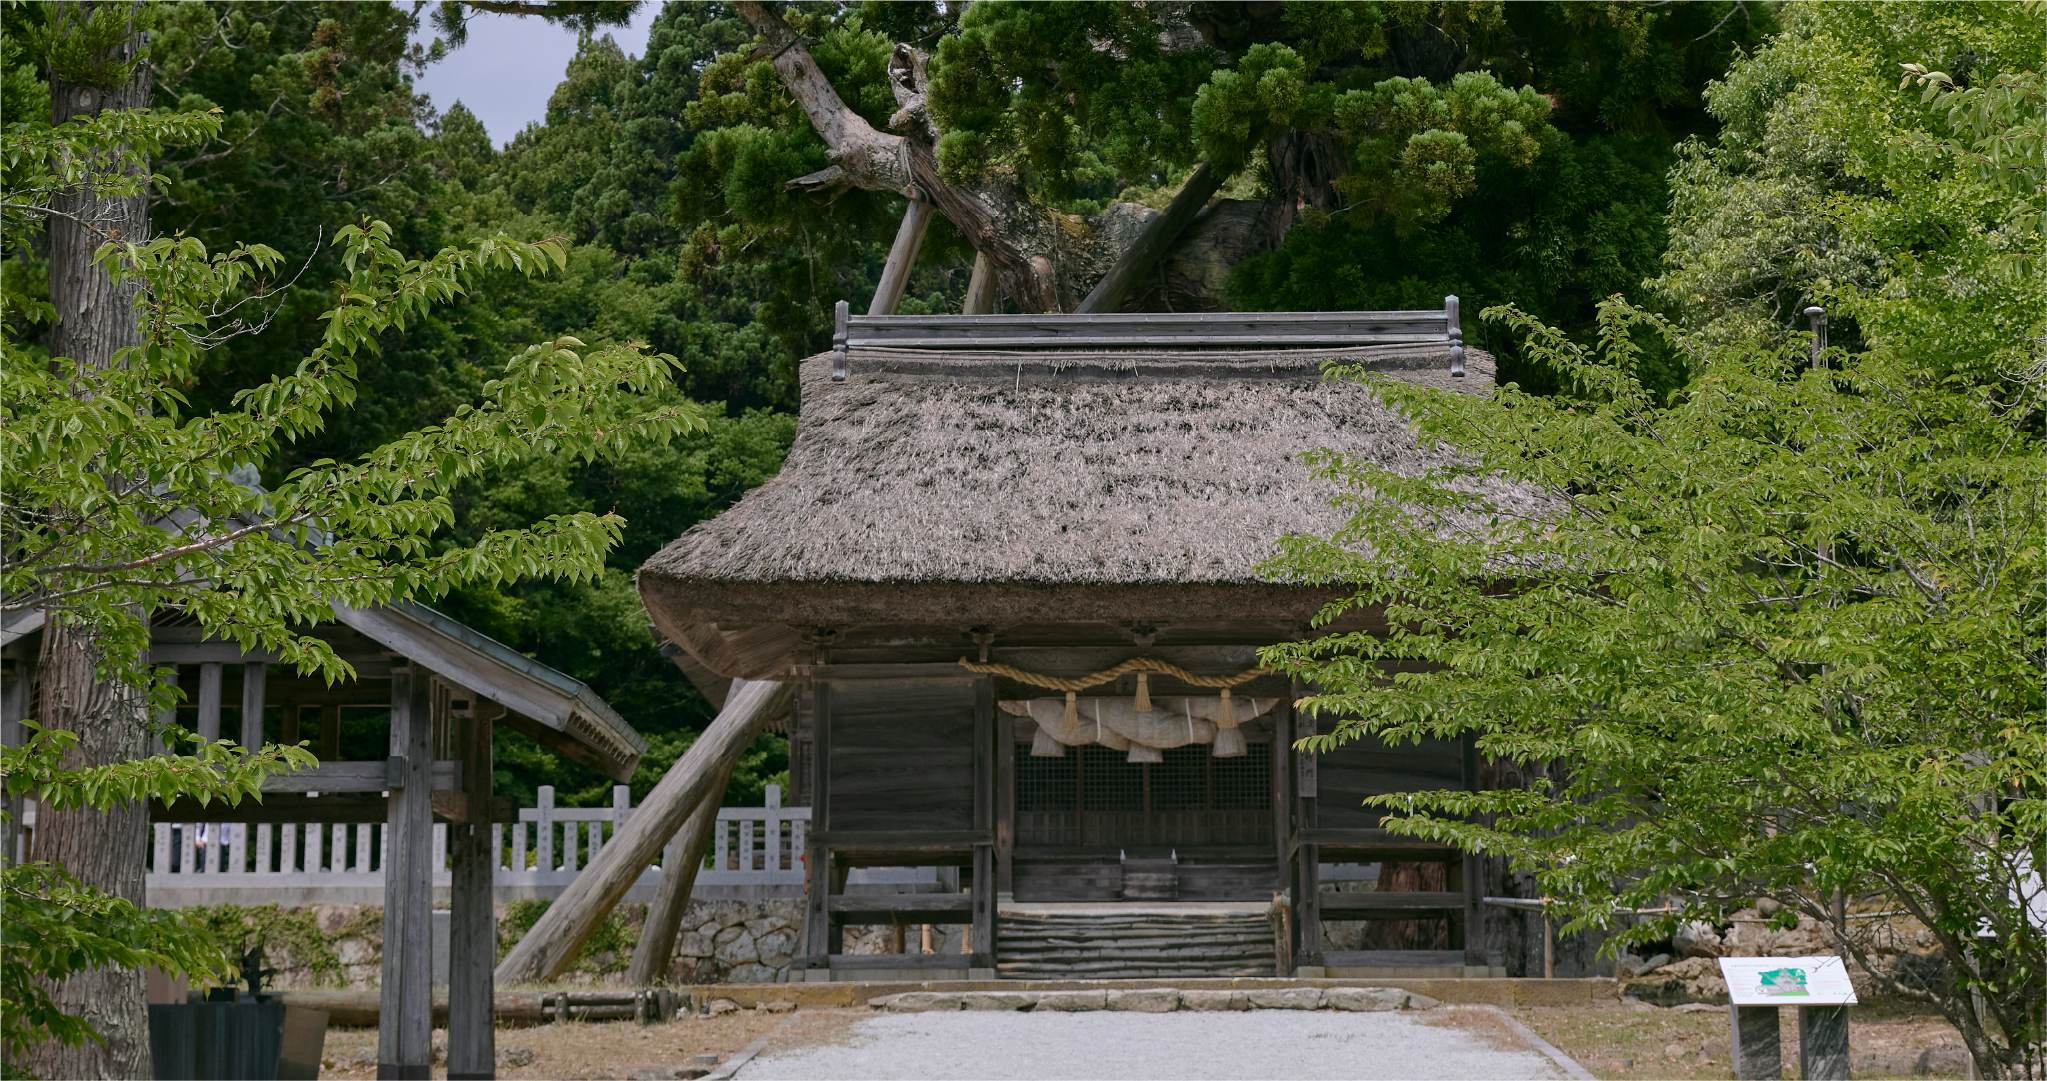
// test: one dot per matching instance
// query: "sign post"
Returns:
(1817, 986)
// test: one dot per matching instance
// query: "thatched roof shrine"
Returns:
(1031, 486)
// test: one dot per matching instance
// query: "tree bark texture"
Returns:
(1040, 259)
(95, 321)
(103, 849)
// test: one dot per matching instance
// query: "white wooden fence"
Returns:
(757, 852)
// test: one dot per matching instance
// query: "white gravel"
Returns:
(1295, 1045)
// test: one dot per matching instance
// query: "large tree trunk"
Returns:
(95, 320)
(1041, 260)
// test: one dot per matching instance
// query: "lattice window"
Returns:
(1109, 781)
(1045, 784)
(1243, 783)
(1180, 783)
(1101, 779)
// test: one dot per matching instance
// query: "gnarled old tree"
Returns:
(1032, 126)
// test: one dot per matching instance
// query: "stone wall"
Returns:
(1687, 968)
(720, 942)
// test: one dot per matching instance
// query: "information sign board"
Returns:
(1787, 981)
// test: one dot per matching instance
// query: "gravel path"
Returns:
(1296, 1045)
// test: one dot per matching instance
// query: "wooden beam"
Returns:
(405, 1026)
(1154, 242)
(980, 288)
(253, 674)
(559, 934)
(678, 878)
(472, 924)
(209, 700)
(445, 775)
(349, 807)
(902, 256)
(206, 652)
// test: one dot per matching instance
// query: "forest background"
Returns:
(665, 174)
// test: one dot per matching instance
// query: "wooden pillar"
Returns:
(984, 824)
(209, 701)
(14, 707)
(817, 884)
(902, 256)
(980, 298)
(472, 924)
(405, 1020)
(167, 719)
(254, 676)
(1005, 806)
(1756, 1037)
(671, 901)
(1308, 875)
(1471, 925)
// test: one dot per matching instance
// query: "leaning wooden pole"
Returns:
(902, 258)
(1154, 242)
(664, 917)
(561, 931)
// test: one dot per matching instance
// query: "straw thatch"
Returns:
(1033, 487)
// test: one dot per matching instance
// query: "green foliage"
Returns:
(57, 927)
(286, 935)
(1779, 633)
(123, 499)
(1834, 71)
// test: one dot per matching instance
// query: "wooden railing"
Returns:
(757, 852)
(1145, 331)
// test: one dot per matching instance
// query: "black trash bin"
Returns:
(243, 1038)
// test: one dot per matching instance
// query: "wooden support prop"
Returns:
(980, 288)
(1154, 242)
(902, 256)
(554, 940)
(472, 923)
(405, 1027)
(664, 918)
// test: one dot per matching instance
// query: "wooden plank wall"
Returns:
(902, 755)
(1367, 767)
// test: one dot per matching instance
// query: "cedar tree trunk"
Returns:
(95, 320)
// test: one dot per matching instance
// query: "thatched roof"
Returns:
(1033, 487)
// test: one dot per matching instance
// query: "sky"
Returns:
(511, 63)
